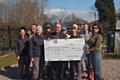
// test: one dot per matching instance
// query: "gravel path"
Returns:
(110, 69)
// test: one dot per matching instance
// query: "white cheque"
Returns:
(64, 50)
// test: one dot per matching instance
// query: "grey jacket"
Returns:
(22, 46)
(86, 34)
(36, 46)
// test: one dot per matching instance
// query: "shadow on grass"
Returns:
(10, 72)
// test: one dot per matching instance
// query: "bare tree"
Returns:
(74, 17)
(54, 18)
(68, 18)
(42, 5)
(94, 11)
(22, 12)
(63, 14)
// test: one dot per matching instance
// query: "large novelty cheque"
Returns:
(64, 50)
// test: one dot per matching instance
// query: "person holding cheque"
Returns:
(56, 67)
(95, 51)
(75, 64)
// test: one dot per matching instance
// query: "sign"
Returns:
(64, 50)
(117, 38)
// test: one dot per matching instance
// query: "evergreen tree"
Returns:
(106, 11)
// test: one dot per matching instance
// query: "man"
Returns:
(45, 65)
(47, 30)
(32, 31)
(87, 35)
(64, 30)
(56, 67)
(36, 51)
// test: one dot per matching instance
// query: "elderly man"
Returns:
(56, 67)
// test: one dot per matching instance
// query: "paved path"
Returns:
(110, 68)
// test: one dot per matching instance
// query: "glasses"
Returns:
(57, 27)
(48, 28)
(95, 28)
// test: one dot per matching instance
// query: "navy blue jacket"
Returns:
(22, 46)
(55, 35)
(36, 46)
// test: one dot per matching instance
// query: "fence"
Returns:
(8, 36)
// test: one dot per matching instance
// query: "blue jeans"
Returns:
(96, 63)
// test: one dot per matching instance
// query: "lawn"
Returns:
(8, 60)
(5, 45)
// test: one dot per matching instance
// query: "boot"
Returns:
(100, 79)
(95, 77)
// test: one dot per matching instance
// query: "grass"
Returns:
(8, 60)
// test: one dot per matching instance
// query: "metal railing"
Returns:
(7, 38)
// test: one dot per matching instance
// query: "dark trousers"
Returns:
(75, 66)
(43, 66)
(65, 68)
(88, 61)
(24, 61)
(56, 70)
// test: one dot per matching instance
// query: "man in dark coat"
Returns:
(56, 66)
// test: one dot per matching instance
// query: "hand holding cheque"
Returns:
(64, 50)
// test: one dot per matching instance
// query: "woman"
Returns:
(22, 53)
(75, 64)
(36, 51)
(95, 51)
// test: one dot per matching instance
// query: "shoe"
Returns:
(27, 77)
(84, 74)
(19, 78)
(35, 79)
(95, 77)
(100, 79)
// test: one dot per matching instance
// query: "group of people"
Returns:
(30, 48)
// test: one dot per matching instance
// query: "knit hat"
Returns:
(48, 26)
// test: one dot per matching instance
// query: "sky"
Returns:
(79, 5)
